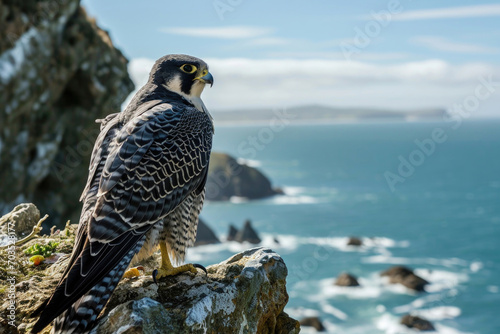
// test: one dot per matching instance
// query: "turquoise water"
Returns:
(443, 221)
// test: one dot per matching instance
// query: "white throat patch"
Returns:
(174, 85)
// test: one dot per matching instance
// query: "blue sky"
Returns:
(396, 54)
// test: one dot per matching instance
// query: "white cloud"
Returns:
(442, 44)
(242, 83)
(230, 32)
(271, 41)
(450, 12)
(339, 55)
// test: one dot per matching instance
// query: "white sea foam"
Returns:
(389, 324)
(238, 199)
(476, 266)
(419, 303)
(329, 309)
(302, 312)
(438, 313)
(450, 263)
(493, 289)
(378, 244)
(205, 252)
(370, 287)
(284, 242)
(294, 200)
(302, 195)
(294, 191)
(441, 280)
(249, 162)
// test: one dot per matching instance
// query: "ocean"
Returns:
(425, 195)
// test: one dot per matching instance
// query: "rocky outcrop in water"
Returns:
(415, 322)
(205, 235)
(313, 322)
(406, 277)
(231, 234)
(346, 279)
(246, 234)
(228, 178)
(58, 73)
(354, 241)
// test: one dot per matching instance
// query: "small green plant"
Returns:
(44, 250)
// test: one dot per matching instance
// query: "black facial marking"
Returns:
(187, 82)
(167, 68)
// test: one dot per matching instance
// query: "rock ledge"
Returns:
(244, 294)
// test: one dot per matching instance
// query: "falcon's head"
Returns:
(182, 74)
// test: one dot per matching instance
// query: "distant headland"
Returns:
(321, 113)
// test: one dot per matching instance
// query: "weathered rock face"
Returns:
(246, 293)
(421, 324)
(346, 279)
(58, 73)
(228, 178)
(20, 220)
(406, 277)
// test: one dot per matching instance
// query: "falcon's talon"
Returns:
(155, 273)
(199, 266)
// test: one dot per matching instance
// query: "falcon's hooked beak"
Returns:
(206, 78)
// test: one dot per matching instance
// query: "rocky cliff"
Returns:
(244, 294)
(58, 73)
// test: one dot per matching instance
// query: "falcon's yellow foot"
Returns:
(167, 269)
(133, 272)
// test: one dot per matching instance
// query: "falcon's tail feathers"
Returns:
(82, 315)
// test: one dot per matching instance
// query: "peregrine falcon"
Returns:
(145, 189)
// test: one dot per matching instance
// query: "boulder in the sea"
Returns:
(314, 322)
(205, 235)
(247, 234)
(354, 241)
(406, 277)
(415, 322)
(231, 234)
(346, 279)
(228, 178)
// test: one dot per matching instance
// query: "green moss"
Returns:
(44, 250)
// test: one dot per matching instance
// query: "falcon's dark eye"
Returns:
(187, 68)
